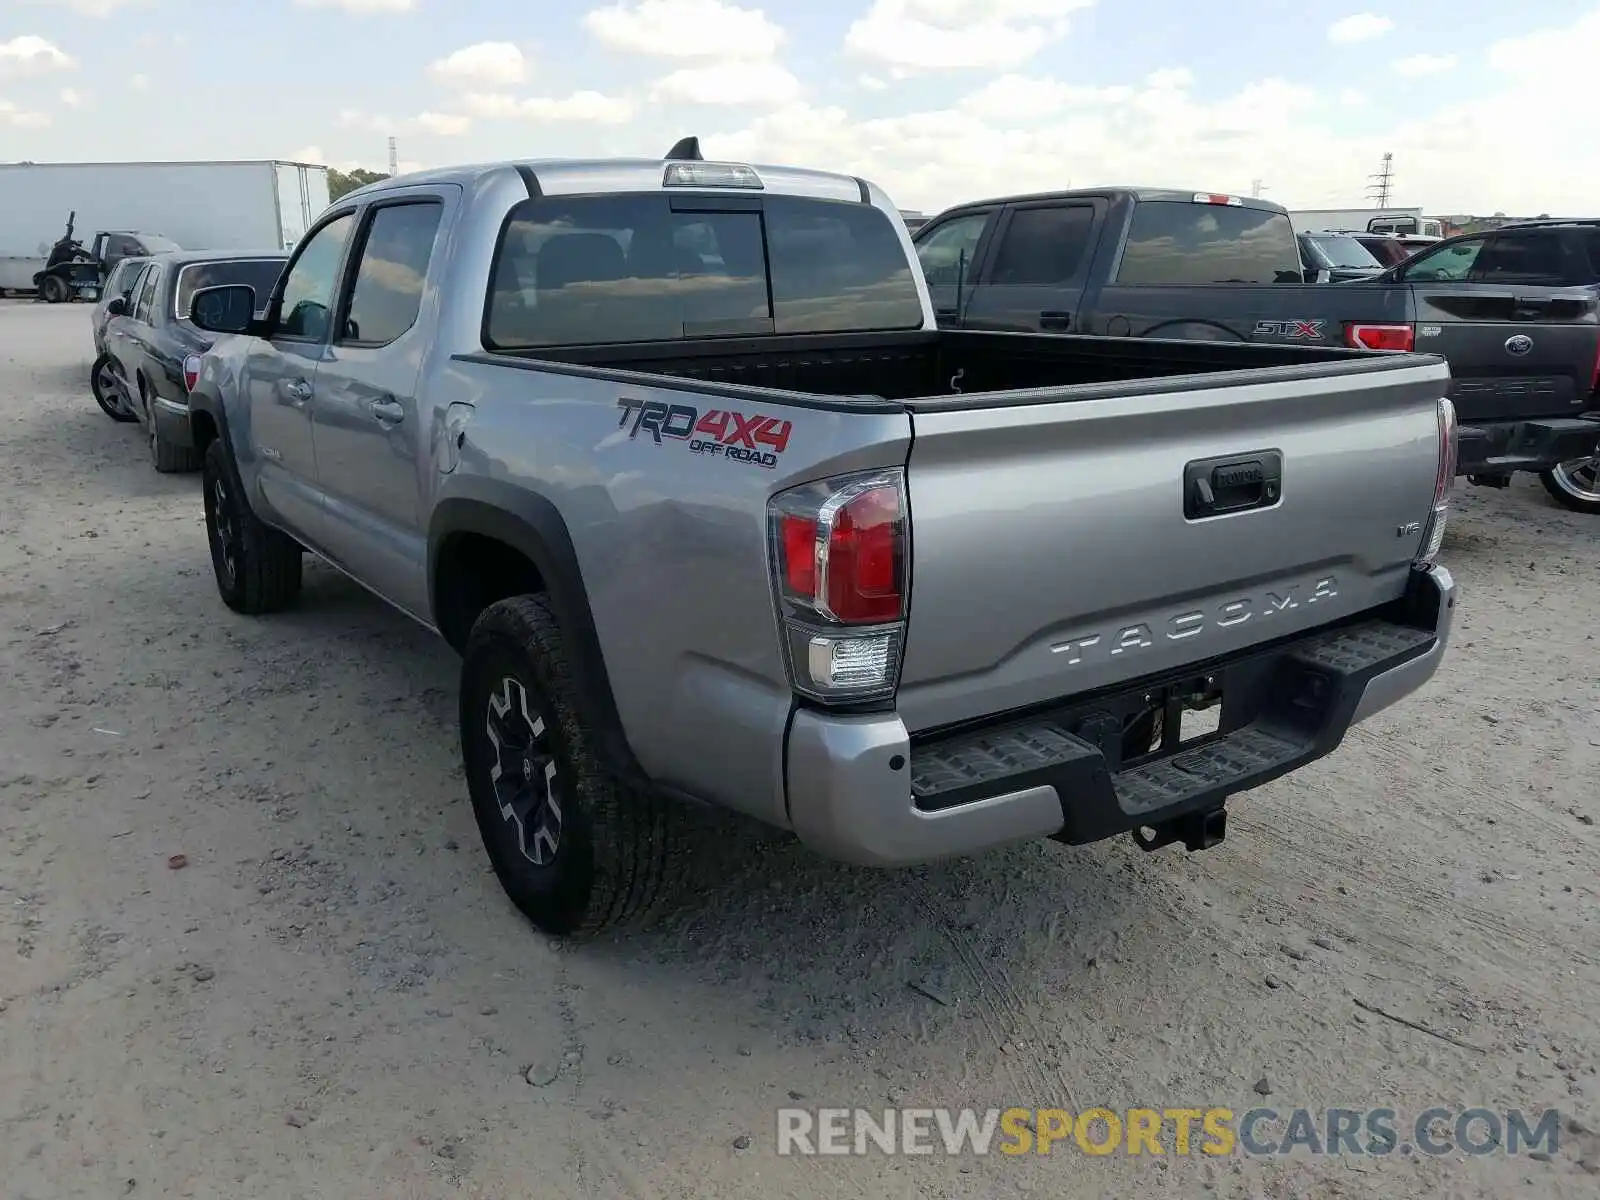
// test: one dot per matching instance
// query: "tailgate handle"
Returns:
(1238, 483)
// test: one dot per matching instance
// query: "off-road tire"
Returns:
(110, 402)
(618, 856)
(54, 290)
(1561, 491)
(264, 575)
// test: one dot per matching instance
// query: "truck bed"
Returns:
(923, 370)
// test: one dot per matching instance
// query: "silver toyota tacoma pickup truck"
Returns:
(674, 454)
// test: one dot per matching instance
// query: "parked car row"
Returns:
(1513, 311)
(148, 346)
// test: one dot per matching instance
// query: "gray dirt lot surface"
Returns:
(333, 998)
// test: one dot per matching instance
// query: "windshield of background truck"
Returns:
(1176, 243)
(1345, 252)
(627, 268)
(259, 273)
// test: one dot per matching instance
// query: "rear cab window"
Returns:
(620, 268)
(1176, 243)
(1044, 246)
(1343, 251)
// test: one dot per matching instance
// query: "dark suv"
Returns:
(1516, 311)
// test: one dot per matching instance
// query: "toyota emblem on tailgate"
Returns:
(1519, 344)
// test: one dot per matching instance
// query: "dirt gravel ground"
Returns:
(333, 999)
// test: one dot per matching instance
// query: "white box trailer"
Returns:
(254, 205)
(1365, 220)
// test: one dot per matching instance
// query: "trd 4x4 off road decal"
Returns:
(756, 439)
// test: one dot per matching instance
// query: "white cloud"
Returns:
(1362, 27)
(91, 8)
(1351, 98)
(686, 29)
(940, 35)
(743, 83)
(1023, 98)
(73, 98)
(21, 118)
(872, 83)
(361, 7)
(486, 64)
(586, 107)
(1418, 65)
(140, 83)
(30, 55)
(309, 154)
(442, 124)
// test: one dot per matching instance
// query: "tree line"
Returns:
(341, 182)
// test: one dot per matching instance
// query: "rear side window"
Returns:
(1176, 243)
(147, 295)
(1521, 258)
(1344, 251)
(121, 281)
(1043, 246)
(394, 265)
(258, 273)
(627, 268)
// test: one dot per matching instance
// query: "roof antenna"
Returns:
(686, 150)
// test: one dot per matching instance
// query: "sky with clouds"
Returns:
(936, 100)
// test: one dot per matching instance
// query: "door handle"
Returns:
(1055, 319)
(298, 391)
(388, 411)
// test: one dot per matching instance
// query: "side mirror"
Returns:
(118, 307)
(227, 308)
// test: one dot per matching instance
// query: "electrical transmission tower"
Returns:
(394, 159)
(1257, 187)
(1382, 182)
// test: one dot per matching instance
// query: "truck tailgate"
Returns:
(1051, 551)
(1514, 353)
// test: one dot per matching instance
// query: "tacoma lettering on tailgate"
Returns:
(1193, 622)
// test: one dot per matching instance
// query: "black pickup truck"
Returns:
(1514, 310)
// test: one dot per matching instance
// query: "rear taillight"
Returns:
(839, 549)
(1443, 481)
(191, 372)
(1380, 337)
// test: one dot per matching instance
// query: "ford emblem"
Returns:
(1519, 344)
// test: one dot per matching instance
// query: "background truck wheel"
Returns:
(257, 567)
(169, 458)
(54, 289)
(103, 383)
(574, 848)
(1575, 484)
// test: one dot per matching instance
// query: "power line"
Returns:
(1382, 182)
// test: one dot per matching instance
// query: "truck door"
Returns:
(370, 435)
(949, 251)
(1033, 279)
(1508, 311)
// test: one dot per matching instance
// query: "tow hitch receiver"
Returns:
(1197, 831)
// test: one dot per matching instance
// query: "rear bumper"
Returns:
(861, 790)
(1502, 447)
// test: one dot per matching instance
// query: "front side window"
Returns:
(1177, 243)
(628, 268)
(941, 251)
(308, 289)
(394, 265)
(259, 274)
(1445, 263)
